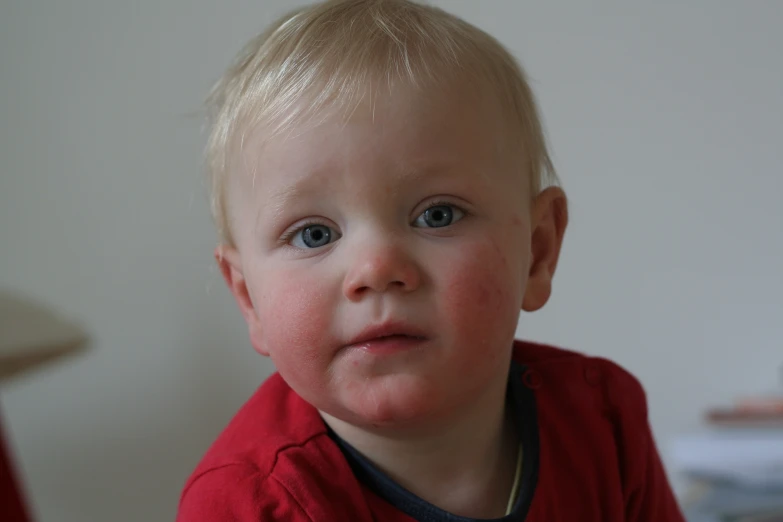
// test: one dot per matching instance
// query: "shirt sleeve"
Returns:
(237, 492)
(647, 492)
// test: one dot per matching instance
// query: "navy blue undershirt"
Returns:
(522, 400)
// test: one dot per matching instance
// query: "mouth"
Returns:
(388, 337)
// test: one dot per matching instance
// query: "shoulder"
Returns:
(595, 437)
(275, 418)
(235, 491)
(236, 479)
(594, 387)
(274, 461)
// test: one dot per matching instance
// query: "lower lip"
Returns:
(391, 344)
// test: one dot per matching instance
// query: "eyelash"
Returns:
(440, 203)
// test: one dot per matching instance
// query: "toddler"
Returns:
(386, 207)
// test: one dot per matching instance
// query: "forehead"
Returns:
(403, 131)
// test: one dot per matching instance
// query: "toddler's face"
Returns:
(382, 262)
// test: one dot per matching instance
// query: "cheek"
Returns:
(483, 289)
(293, 318)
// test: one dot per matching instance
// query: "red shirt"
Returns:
(597, 461)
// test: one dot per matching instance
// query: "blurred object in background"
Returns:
(735, 469)
(30, 335)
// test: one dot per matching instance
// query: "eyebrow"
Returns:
(279, 201)
(288, 194)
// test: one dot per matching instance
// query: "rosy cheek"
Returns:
(481, 288)
(294, 316)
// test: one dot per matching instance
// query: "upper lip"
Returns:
(386, 329)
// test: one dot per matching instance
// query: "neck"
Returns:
(466, 466)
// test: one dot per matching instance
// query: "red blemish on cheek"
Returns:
(500, 256)
(489, 296)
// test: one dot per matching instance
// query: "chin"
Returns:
(390, 404)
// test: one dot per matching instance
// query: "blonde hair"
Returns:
(329, 53)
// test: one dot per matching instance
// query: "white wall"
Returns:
(666, 124)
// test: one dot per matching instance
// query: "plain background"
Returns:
(666, 123)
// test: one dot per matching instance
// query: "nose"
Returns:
(380, 267)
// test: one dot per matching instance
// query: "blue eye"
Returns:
(439, 216)
(313, 236)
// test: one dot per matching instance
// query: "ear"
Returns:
(549, 220)
(230, 264)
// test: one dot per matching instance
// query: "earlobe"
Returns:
(230, 265)
(549, 222)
